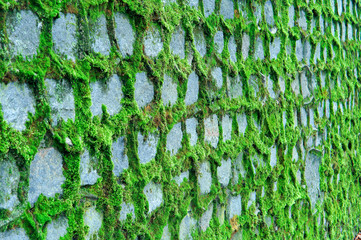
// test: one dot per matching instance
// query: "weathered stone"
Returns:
(200, 40)
(124, 34)
(295, 85)
(258, 11)
(227, 9)
(209, 7)
(109, 94)
(312, 176)
(273, 156)
(193, 3)
(64, 35)
(87, 169)
(126, 208)
(205, 178)
(307, 51)
(167, 2)
(14, 234)
(304, 85)
(9, 182)
(294, 154)
(343, 35)
(271, 92)
(192, 89)
(242, 123)
(177, 43)
(61, 100)
(322, 25)
(252, 199)
(234, 207)
(299, 50)
(211, 131)
(221, 213)
(224, 172)
(46, 174)
(23, 28)
(174, 139)
(275, 48)
(302, 21)
(206, 218)
(119, 158)
(57, 228)
(253, 83)
(191, 126)
(217, 76)
(284, 119)
(303, 116)
(235, 87)
(179, 179)
(256, 162)
(169, 91)
(154, 194)
(187, 226)
(93, 219)
(153, 43)
(144, 90)
(99, 36)
(16, 101)
(166, 234)
(349, 31)
(245, 45)
(339, 7)
(238, 169)
(282, 84)
(232, 49)
(317, 55)
(259, 52)
(291, 16)
(147, 147)
(218, 42)
(268, 11)
(227, 127)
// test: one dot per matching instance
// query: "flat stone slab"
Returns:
(273, 156)
(206, 218)
(179, 179)
(232, 49)
(99, 36)
(205, 178)
(226, 127)
(169, 91)
(109, 94)
(16, 101)
(275, 48)
(144, 90)
(312, 176)
(174, 139)
(23, 28)
(64, 33)
(242, 123)
(217, 77)
(224, 172)
(93, 219)
(61, 100)
(238, 169)
(46, 174)
(200, 40)
(124, 34)
(219, 42)
(291, 16)
(192, 89)
(246, 42)
(14, 234)
(87, 169)
(119, 158)
(302, 21)
(9, 182)
(234, 207)
(227, 9)
(153, 43)
(126, 208)
(57, 228)
(177, 42)
(147, 147)
(209, 7)
(211, 130)
(191, 128)
(154, 194)
(235, 87)
(259, 52)
(268, 11)
(187, 226)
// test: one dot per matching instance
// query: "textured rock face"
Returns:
(206, 218)
(219, 42)
(177, 43)
(179, 179)
(9, 181)
(127, 208)
(191, 126)
(187, 226)
(211, 131)
(200, 41)
(208, 7)
(15, 234)
(144, 90)
(93, 219)
(226, 127)
(204, 178)
(227, 9)
(224, 172)
(99, 36)
(154, 195)
(153, 43)
(169, 91)
(166, 234)
(147, 147)
(235, 87)
(16, 101)
(192, 89)
(174, 139)
(234, 207)
(64, 35)
(242, 123)
(124, 34)
(46, 174)
(57, 228)
(312, 176)
(217, 76)
(88, 172)
(119, 158)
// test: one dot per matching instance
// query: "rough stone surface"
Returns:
(200, 40)
(258, 11)
(46, 174)
(252, 199)
(303, 116)
(109, 94)
(126, 208)
(166, 233)
(93, 219)
(218, 42)
(179, 179)
(224, 172)
(191, 126)
(275, 47)
(307, 51)
(242, 123)
(232, 49)
(227, 127)
(302, 21)
(245, 45)
(235, 87)
(153, 43)
(154, 194)
(177, 43)
(211, 131)
(14, 234)
(205, 178)
(99, 36)
(268, 10)
(9, 182)
(234, 207)
(144, 90)
(64, 35)
(273, 156)
(217, 76)
(57, 228)
(61, 100)
(227, 9)
(259, 52)
(16, 101)
(192, 89)
(87, 169)
(304, 85)
(270, 90)
(124, 34)
(187, 226)
(291, 16)
(169, 91)
(174, 139)
(147, 147)
(299, 50)
(312, 176)
(295, 85)
(23, 28)
(206, 218)
(237, 169)
(221, 213)
(209, 7)
(119, 157)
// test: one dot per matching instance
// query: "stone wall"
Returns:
(179, 119)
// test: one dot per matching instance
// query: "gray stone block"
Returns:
(64, 35)
(16, 101)
(304, 85)
(119, 157)
(57, 228)
(87, 169)
(220, 213)
(237, 235)
(307, 51)
(268, 11)
(9, 182)
(166, 234)
(294, 154)
(232, 48)
(147, 147)
(349, 31)
(282, 84)
(23, 28)
(258, 11)
(291, 16)
(200, 40)
(257, 162)
(242, 123)
(217, 77)
(211, 131)
(205, 178)
(109, 94)
(193, 3)
(273, 156)
(252, 199)
(153, 43)
(46, 174)
(144, 90)
(299, 50)
(99, 36)
(343, 31)
(191, 128)
(322, 26)
(169, 91)
(14, 234)
(235, 87)
(154, 194)
(61, 100)
(93, 219)
(303, 116)
(177, 43)
(227, 127)
(179, 179)
(245, 45)
(224, 172)
(238, 169)
(126, 208)
(174, 139)
(275, 47)
(227, 9)
(295, 85)
(218, 42)
(312, 176)
(206, 218)
(234, 207)
(284, 119)
(259, 52)
(253, 82)
(187, 226)
(192, 89)
(302, 21)
(317, 55)
(272, 94)
(209, 7)
(339, 7)
(124, 34)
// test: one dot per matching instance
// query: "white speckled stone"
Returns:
(88, 172)
(153, 43)
(191, 127)
(224, 172)
(206, 218)
(99, 36)
(192, 89)
(232, 49)
(259, 52)
(246, 41)
(200, 41)
(147, 147)
(64, 35)
(169, 91)
(93, 219)
(209, 7)
(177, 43)
(119, 158)
(179, 179)
(9, 182)
(57, 228)
(204, 178)
(144, 90)
(217, 76)
(14, 234)
(242, 123)
(174, 139)
(126, 208)
(218, 42)
(227, 9)
(124, 34)
(154, 194)
(211, 131)
(227, 127)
